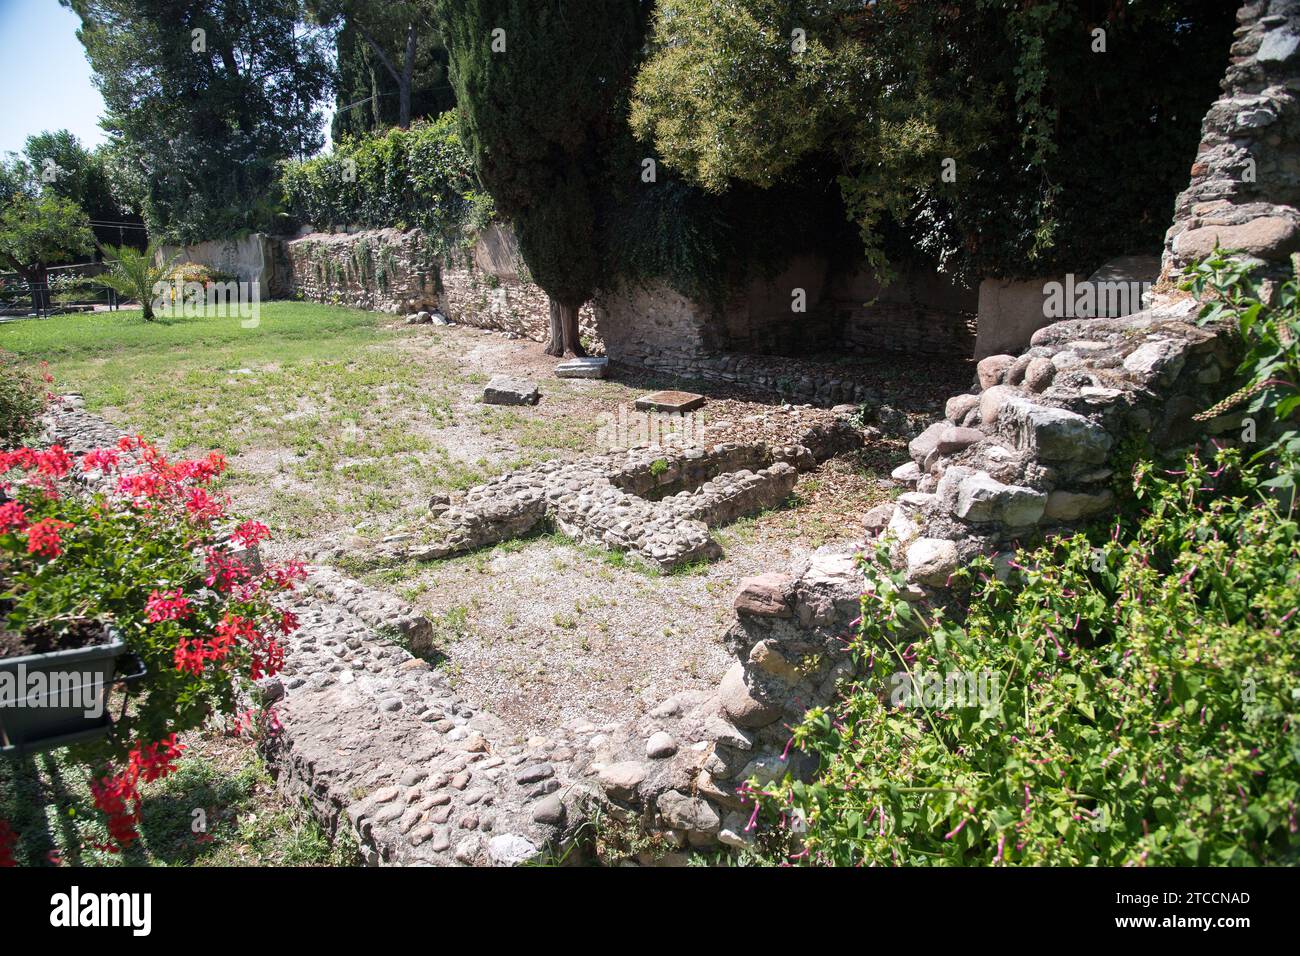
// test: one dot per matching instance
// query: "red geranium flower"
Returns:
(167, 606)
(12, 517)
(53, 461)
(285, 574)
(189, 656)
(224, 572)
(43, 537)
(202, 507)
(118, 795)
(104, 459)
(250, 533)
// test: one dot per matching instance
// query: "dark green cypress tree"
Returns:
(541, 86)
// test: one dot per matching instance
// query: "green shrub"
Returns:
(1268, 328)
(22, 398)
(1000, 93)
(1141, 707)
(200, 273)
(405, 178)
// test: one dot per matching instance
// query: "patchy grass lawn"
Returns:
(330, 416)
(220, 808)
(339, 425)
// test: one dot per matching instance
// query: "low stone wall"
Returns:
(657, 504)
(400, 272)
(380, 743)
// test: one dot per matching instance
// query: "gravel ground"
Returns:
(543, 631)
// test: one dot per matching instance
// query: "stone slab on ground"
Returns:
(669, 400)
(583, 368)
(508, 390)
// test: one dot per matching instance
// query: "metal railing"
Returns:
(70, 288)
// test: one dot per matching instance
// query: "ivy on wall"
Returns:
(420, 177)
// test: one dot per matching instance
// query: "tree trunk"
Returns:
(565, 335)
(376, 117)
(38, 280)
(555, 344)
(569, 325)
(404, 85)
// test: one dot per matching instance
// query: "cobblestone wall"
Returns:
(655, 326)
(1245, 181)
(401, 272)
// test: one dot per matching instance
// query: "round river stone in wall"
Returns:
(740, 702)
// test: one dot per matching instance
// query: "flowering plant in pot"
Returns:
(147, 557)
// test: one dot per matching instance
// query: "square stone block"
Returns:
(669, 400)
(505, 390)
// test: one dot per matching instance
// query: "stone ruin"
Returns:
(1245, 181)
(380, 742)
(1033, 450)
(656, 504)
(383, 744)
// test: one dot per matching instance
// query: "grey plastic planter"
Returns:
(56, 699)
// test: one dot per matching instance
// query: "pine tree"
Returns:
(541, 86)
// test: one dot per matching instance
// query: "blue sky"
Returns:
(44, 76)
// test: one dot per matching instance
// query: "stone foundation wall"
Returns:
(400, 272)
(759, 319)
(657, 504)
(1245, 181)
(654, 326)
